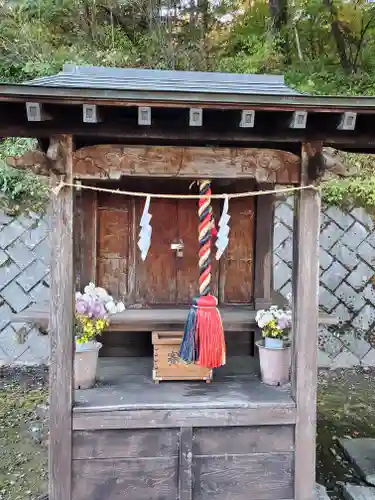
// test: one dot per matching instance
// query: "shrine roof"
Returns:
(77, 84)
(90, 77)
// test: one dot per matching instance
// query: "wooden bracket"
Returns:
(322, 160)
(247, 118)
(90, 113)
(196, 117)
(299, 120)
(36, 161)
(35, 112)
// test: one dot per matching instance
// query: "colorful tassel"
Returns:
(203, 341)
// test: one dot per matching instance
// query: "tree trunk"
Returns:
(337, 35)
(204, 14)
(279, 18)
(279, 14)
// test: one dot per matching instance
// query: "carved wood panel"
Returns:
(114, 161)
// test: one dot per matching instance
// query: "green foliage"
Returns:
(356, 190)
(20, 190)
(38, 36)
(348, 193)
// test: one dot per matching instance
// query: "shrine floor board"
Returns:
(126, 383)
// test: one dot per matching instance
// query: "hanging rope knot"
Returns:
(205, 233)
(208, 301)
(56, 190)
(203, 340)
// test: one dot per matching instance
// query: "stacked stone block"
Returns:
(24, 279)
(347, 269)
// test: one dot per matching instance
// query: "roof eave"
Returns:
(66, 95)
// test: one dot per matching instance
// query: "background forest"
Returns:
(321, 46)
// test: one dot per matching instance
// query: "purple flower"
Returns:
(98, 310)
(80, 306)
(283, 323)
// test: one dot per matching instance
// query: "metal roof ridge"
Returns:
(74, 69)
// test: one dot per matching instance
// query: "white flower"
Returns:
(120, 307)
(274, 313)
(111, 307)
(90, 289)
(103, 295)
(264, 319)
(259, 314)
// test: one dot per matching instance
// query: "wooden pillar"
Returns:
(263, 249)
(305, 330)
(61, 328)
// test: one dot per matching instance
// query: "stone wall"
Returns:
(24, 279)
(347, 270)
(346, 290)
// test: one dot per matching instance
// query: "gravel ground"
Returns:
(346, 408)
(23, 433)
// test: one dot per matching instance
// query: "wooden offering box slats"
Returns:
(168, 365)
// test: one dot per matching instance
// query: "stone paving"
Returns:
(347, 251)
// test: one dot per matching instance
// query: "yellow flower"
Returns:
(100, 324)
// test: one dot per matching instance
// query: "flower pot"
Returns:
(85, 364)
(273, 343)
(274, 363)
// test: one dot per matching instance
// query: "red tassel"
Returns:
(209, 335)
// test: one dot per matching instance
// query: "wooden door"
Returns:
(107, 229)
(168, 276)
(236, 265)
(113, 229)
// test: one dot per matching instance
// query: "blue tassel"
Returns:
(188, 348)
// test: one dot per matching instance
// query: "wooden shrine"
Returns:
(157, 132)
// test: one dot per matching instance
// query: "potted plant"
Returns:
(274, 350)
(93, 310)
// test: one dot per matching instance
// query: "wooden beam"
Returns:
(114, 161)
(264, 249)
(288, 139)
(298, 120)
(61, 331)
(305, 329)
